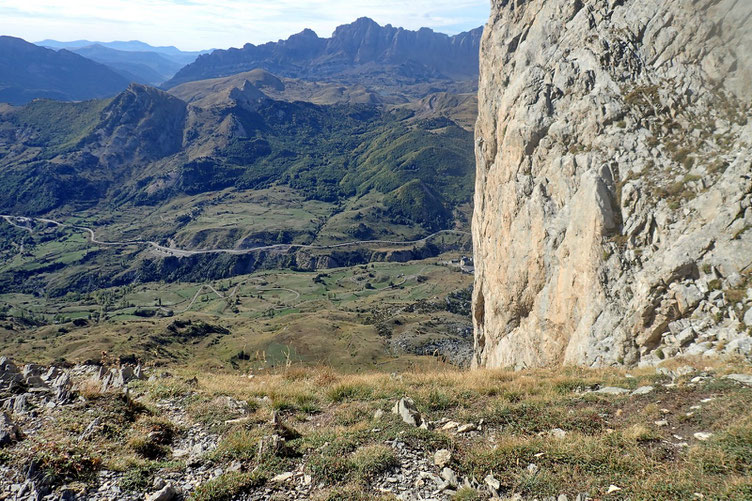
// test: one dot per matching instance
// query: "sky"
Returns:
(210, 24)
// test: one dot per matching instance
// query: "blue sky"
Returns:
(203, 24)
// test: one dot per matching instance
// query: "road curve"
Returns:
(185, 252)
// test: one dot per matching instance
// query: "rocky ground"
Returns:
(93, 432)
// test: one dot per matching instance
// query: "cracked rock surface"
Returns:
(613, 204)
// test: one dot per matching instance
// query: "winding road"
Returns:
(174, 251)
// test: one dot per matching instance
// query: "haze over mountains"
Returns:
(28, 71)
(136, 61)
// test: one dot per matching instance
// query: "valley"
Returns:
(292, 210)
(380, 315)
(388, 264)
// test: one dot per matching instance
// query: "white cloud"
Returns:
(198, 24)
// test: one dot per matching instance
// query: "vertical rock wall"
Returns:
(614, 184)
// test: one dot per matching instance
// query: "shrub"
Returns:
(61, 462)
(228, 486)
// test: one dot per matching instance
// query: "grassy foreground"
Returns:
(578, 440)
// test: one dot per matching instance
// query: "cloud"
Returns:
(200, 24)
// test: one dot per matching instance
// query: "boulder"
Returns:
(405, 408)
(9, 432)
(744, 379)
(6, 365)
(643, 390)
(686, 336)
(442, 457)
(167, 493)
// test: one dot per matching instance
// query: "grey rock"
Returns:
(643, 390)
(465, 428)
(741, 378)
(699, 348)
(686, 336)
(612, 390)
(558, 433)
(405, 408)
(90, 429)
(449, 477)
(9, 432)
(688, 297)
(31, 370)
(62, 381)
(20, 404)
(741, 345)
(167, 493)
(703, 436)
(34, 381)
(734, 281)
(492, 483)
(51, 374)
(442, 457)
(6, 365)
(685, 370)
(747, 319)
(568, 211)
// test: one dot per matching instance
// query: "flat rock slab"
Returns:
(741, 378)
(612, 390)
(643, 390)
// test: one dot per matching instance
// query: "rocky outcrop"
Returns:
(613, 202)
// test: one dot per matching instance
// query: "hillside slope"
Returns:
(242, 164)
(614, 185)
(28, 72)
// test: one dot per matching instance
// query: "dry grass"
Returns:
(609, 440)
(332, 435)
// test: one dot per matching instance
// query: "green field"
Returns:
(345, 317)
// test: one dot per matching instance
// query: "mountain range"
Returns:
(136, 61)
(130, 46)
(363, 52)
(368, 133)
(395, 64)
(28, 71)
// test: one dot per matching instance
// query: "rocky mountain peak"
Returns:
(613, 201)
(361, 52)
(141, 123)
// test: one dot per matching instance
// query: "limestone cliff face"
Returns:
(614, 182)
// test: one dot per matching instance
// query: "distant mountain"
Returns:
(172, 53)
(28, 71)
(381, 57)
(142, 67)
